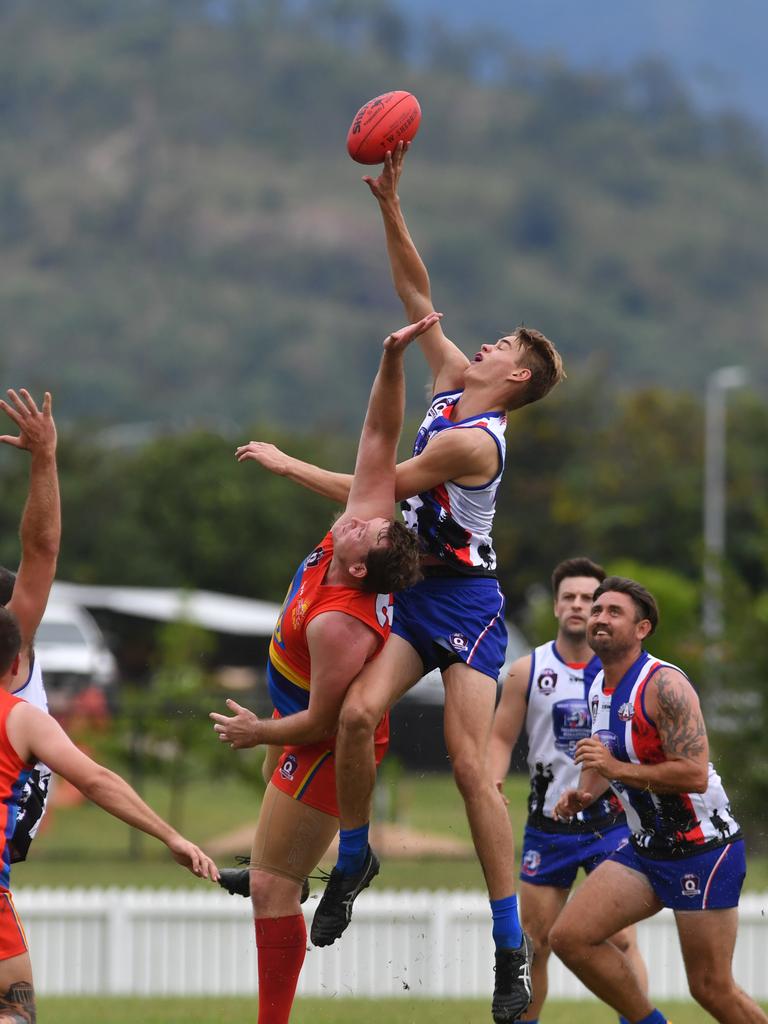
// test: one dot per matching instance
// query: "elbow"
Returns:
(97, 784)
(701, 780)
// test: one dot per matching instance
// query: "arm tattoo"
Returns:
(17, 1005)
(680, 725)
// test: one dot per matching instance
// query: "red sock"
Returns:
(281, 943)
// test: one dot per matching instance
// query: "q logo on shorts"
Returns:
(288, 767)
(689, 885)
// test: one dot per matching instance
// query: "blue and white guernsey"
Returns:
(663, 825)
(557, 717)
(454, 522)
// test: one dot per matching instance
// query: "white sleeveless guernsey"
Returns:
(558, 717)
(453, 522)
(662, 825)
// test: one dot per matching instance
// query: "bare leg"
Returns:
(539, 909)
(707, 939)
(613, 897)
(626, 942)
(271, 757)
(377, 687)
(470, 698)
(17, 996)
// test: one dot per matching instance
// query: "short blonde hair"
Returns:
(543, 360)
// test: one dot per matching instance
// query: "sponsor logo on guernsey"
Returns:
(288, 767)
(458, 641)
(595, 706)
(609, 740)
(531, 862)
(421, 440)
(690, 886)
(547, 681)
(313, 558)
(626, 711)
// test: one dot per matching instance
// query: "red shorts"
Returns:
(308, 773)
(13, 941)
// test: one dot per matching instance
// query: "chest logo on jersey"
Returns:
(288, 767)
(458, 641)
(300, 608)
(626, 711)
(609, 740)
(547, 681)
(313, 558)
(570, 722)
(595, 706)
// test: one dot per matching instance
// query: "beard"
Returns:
(608, 647)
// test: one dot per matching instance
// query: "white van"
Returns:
(72, 651)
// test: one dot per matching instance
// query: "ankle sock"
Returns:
(507, 933)
(353, 846)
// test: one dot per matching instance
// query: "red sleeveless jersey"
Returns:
(13, 776)
(289, 669)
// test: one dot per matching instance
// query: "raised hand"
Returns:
(267, 455)
(385, 186)
(37, 431)
(400, 340)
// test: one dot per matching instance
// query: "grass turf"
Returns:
(327, 1011)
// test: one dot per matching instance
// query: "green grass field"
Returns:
(327, 1011)
(83, 846)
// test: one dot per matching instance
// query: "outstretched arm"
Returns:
(468, 456)
(372, 491)
(41, 520)
(36, 736)
(410, 276)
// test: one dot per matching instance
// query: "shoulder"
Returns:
(337, 634)
(670, 690)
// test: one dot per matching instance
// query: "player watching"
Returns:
(649, 744)
(545, 693)
(28, 735)
(335, 618)
(454, 618)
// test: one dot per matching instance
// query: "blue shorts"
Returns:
(704, 881)
(454, 618)
(553, 858)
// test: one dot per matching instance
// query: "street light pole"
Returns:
(722, 380)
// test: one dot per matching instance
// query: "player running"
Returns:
(335, 618)
(649, 743)
(545, 692)
(454, 618)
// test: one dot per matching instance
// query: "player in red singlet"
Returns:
(29, 735)
(335, 618)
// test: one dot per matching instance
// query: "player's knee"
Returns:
(623, 940)
(540, 939)
(357, 719)
(468, 775)
(709, 990)
(564, 942)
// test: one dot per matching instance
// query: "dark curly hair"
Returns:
(10, 640)
(7, 581)
(395, 565)
(579, 566)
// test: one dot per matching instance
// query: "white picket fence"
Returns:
(182, 942)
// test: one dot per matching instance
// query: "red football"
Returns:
(380, 124)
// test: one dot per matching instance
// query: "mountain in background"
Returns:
(184, 239)
(717, 49)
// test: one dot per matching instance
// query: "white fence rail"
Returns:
(174, 942)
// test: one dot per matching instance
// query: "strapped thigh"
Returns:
(291, 838)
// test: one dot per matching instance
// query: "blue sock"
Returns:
(507, 933)
(353, 846)
(655, 1017)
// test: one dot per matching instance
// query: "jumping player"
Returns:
(649, 743)
(454, 618)
(335, 618)
(28, 735)
(40, 535)
(545, 692)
